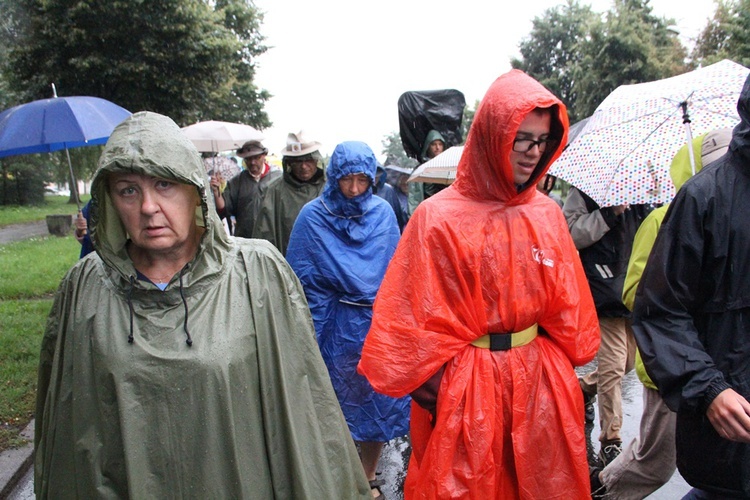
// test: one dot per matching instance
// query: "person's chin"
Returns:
(523, 174)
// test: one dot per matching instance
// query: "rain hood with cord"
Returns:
(340, 248)
(692, 308)
(247, 411)
(487, 256)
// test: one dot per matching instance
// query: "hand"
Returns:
(215, 184)
(729, 413)
(620, 209)
(81, 226)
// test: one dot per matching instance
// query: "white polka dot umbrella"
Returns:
(623, 153)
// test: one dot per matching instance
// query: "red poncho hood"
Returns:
(484, 171)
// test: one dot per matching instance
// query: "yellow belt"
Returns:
(505, 341)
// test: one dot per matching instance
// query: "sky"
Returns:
(336, 68)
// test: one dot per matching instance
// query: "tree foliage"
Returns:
(189, 59)
(630, 46)
(726, 36)
(550, 53)
(393, 149)
(22, 180)
(582, 57)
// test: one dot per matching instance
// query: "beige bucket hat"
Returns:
(299, 145)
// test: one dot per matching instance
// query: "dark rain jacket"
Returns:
(243, 198)
(484, 256)
(340, 249)
(247, 411)
(281, 205)
(388, 193)
(604, 242)
(692, 311)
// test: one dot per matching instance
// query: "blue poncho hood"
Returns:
(349, 158)
(350, 213)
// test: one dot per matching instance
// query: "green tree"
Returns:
(630, 46)
(550, 52)
(468, 119)
(582, 57)
(726, 36)
(393, 149)
(188, 59)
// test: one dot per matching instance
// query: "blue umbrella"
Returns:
(58, 123)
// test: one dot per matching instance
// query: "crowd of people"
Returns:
(343, 312)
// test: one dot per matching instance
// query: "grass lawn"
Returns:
(54, 205)
(30, 272)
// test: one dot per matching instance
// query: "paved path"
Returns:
(18, 232)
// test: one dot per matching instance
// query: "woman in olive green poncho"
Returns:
(179, 362)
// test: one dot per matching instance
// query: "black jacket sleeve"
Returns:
(668, 309)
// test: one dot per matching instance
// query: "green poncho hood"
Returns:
(432, 135)
(152, 144)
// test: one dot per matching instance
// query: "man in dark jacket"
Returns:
(243, 195)
(303, 180)
(604, 239)
(692, 319)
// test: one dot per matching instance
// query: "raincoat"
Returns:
(692, 308)
(487, 256)
(680, 170)
(389, 194)
(340, 249)
(281, 205)
(247, 411)
(243, 198)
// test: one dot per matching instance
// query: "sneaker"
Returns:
(598, 490)
(609, 451)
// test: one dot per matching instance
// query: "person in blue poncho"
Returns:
(340, 246)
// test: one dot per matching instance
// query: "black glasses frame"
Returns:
(541, 144)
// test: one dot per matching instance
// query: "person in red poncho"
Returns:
(483, 313)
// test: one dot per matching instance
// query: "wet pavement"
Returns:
(17, 232)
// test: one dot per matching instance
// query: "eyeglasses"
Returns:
(526, 145)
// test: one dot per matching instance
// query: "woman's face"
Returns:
(354, 184)
(158, 214)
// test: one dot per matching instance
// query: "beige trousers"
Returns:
(615, 358)
(649, 460)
